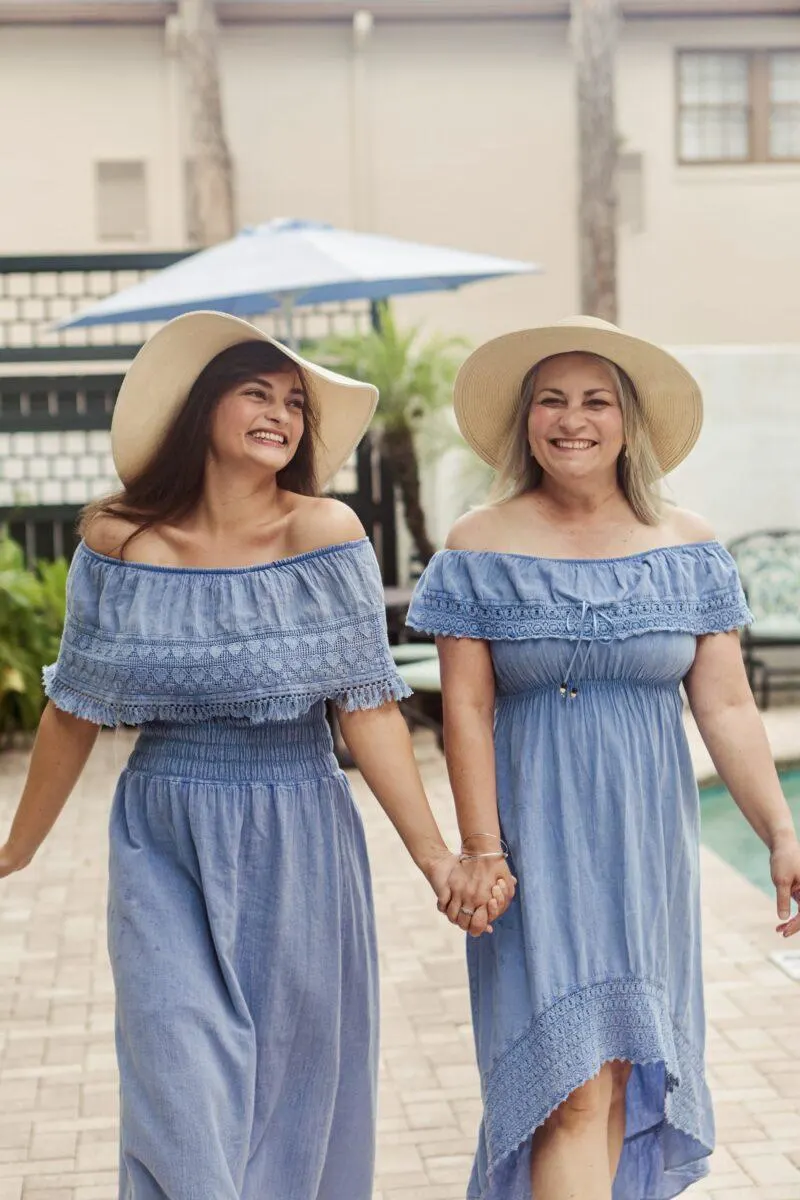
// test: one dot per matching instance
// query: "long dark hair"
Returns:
(170, 485)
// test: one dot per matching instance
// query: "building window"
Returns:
(738, 106)
(784, 105)
(121, 192)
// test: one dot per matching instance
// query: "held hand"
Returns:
(450, 881)
(483, 918)
(437, 872)
(455, 885)
(785, 869)
(481, 891)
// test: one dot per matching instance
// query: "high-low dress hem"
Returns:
(625, 1020)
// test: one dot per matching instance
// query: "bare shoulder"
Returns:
(476, 530)
(685, 526)
(106, 533)
(319, 521)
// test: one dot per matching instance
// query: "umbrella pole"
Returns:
(287, 308)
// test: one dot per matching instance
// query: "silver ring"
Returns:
(468, 912)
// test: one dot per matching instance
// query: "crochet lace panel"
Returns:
(272, 676)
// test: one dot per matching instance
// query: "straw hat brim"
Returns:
(488, 385)
(159, 379)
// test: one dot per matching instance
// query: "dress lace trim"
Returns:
(266, 676)
(567, 1044)
(256, 711)
(450, 616)
(692, 589)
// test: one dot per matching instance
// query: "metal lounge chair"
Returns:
(769, 566)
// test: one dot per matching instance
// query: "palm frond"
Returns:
(413, 377)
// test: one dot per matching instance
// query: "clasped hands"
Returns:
(472, 891)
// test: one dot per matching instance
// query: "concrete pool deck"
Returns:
(783, 731)
(58, 1086)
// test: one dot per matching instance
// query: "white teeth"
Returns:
(565, 444)
(262, 435)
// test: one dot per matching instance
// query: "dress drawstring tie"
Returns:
(586, 635)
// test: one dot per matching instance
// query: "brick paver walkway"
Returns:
(58, 1102)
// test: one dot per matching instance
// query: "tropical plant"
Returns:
(31, 619)
(414, 378)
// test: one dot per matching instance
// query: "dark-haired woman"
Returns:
(217, 602)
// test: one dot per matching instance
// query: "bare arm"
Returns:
(468, 701)
(379, 741)
(731, 728)
(468, 692)
(62, 747)
(380, 744)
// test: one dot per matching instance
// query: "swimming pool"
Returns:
(725, 831)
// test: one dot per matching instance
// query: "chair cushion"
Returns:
(422, 676)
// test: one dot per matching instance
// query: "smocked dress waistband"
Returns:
(228, 752)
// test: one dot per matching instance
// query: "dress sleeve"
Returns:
(73, 682)
(721, 605)
(449, 600)
(361, 673)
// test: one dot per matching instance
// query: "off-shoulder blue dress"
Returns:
(598, 957)
(240, 915)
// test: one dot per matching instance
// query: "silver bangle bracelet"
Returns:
(489, 854)
(485, 853)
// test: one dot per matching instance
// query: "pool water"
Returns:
(725, 831)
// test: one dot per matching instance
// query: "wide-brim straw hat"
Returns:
(488, 387)
(159, 379)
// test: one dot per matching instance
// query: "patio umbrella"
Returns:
(285, 264)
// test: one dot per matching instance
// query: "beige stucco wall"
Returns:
(71, 97)
(720, 249)
(459, 133)
(743, 473)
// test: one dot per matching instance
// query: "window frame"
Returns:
(759, 106)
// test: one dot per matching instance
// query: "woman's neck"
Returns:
(233, 502)
(582, 500)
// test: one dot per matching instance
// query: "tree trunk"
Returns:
(210, 175)
(593, 33)
(398, 446)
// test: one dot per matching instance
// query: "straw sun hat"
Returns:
(487, 388)
(160, 378)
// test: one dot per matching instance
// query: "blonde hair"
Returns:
(638, 469)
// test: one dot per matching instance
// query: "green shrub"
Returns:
(31, 620)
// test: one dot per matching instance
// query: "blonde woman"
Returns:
(569, 612)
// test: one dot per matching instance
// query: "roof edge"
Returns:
(43, 12)
(84, 12)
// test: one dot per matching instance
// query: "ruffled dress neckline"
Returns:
(146, 643)
(287, 560)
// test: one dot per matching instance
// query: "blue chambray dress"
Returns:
(598, 957)
(240, 916)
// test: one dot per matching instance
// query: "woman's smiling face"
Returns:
(575, 427)
(260, 420)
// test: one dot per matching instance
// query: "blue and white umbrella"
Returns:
(286, 264)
